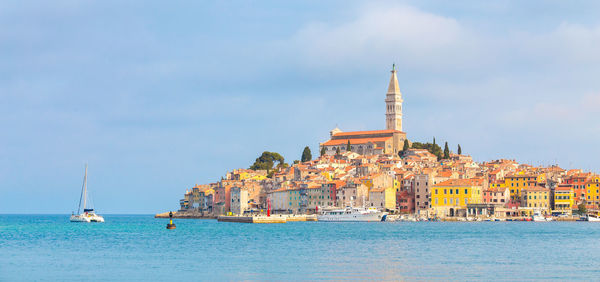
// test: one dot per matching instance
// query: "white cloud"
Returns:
(382, 33)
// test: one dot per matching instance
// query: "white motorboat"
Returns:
(352, 214)
(88, 214)
(538, 217)
(593, 218)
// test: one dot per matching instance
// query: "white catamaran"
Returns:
(88, 215)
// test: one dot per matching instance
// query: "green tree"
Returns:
(432, 148)
(433, 140)
(405, 147)
(267, 161)
(337, 151)
(582, 209)
(348, 147)
(459, 150)
(446, 151)
(306, 155)
(296, 161)
(322, 150)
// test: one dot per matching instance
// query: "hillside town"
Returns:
(383, 169)
(416, 184)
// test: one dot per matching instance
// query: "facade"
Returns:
(536, 197)
(593, 194)
(451, 197)
(352, 194)
(422, 200)
(578, 181)
(383, 198)
(198, 199)
(496, 196)
(372, 142)
(518, 182)
(278, 199)
(239, 200)
(405, 201)
(564, 198)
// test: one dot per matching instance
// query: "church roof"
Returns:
(350, 133)
(354, 141)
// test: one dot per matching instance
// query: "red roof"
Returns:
(564, 187)
(356, 141)
(461, 182)
(366, 132)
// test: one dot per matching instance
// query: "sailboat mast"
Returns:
(82, 188)
(85, 188)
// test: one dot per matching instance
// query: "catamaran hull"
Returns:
(84, 218)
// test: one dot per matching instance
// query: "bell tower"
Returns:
(393, 104)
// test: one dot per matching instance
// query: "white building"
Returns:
(239, 200)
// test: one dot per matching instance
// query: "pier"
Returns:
(277, 218)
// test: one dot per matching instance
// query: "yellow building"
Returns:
(536, 197)
(383, 198)
(367, 181)
(253, 176)
(564, 198)
(498, 185)
(450, 196)
(516, 183)
(593, 193)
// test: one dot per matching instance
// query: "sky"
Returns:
(156, 97)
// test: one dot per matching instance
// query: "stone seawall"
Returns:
(252, 219)
(184, 215)
(276, 218)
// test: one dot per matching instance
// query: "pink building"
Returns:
(497, 196)
(405, 201)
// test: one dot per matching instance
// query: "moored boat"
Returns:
(88, 215)
(538, 217)
(352, 214)
(593, 218)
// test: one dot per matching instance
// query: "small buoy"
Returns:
(171, 225)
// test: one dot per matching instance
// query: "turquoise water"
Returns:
(49, 247)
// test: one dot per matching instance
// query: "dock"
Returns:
(189, 215)
(252, 219)
(276, 218)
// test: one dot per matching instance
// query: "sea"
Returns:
(140, 248)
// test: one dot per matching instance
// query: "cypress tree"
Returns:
(337, 151)
(349, 148)
(405, 147)
(459, 150)
(322, 150)
(306, 155)
(446, 151)
(434, 140)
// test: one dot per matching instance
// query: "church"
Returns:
(387, 141)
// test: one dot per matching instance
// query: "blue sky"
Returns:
(157, 97)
